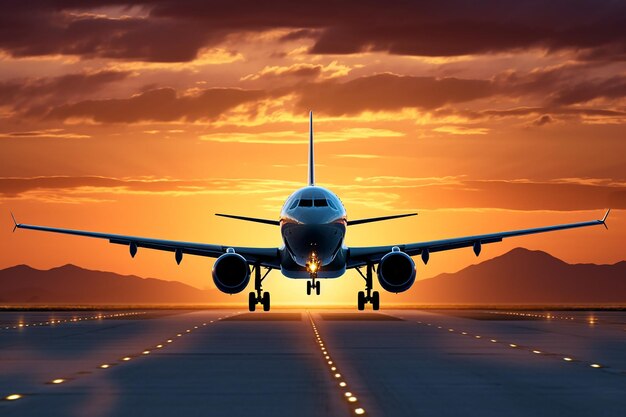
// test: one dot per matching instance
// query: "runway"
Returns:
(313, 363)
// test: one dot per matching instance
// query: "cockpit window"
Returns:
(330, 203)
(320, 202)
(294, 204)
(306, 202)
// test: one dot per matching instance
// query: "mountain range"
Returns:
(523, 276)
(520, 276)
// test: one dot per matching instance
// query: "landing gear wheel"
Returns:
(368, 296)
(252, 301)
(308, 288)
(317, 288)
(361, 301)
(266, 301)
(375, 300)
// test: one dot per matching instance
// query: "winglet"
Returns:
(603, 221)
(14, 222)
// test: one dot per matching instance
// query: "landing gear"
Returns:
(259, 296)
(368, 296)
(310, 285)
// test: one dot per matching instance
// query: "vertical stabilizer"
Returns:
(311, 158)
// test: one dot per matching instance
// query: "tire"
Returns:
(317, 288)
(266, 301)
(308, 288)
(252, 301)
(361, 301)
(375, 300)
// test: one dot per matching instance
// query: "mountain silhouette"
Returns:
(520, 276)
(523, 276)
(70, 284)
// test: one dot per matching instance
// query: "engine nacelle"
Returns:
(231, 273)
(396, 271)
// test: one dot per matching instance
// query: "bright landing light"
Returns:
(313, 264)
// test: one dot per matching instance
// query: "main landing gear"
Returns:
(313, 284)
(368, 296)
(259, 296)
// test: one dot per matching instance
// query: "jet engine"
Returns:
(396, 271)
(231, 273)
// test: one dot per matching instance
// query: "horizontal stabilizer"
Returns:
(378, 219)
(250, 219)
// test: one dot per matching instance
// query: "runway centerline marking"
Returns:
(346, 394)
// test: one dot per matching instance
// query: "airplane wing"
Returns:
(268, 257)
(360, 256)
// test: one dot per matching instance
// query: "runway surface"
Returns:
(318, 363)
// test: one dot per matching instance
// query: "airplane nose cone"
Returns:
(323, 240)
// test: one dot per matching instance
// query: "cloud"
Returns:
(522, 194)
(583, 92)
(299, 72)
(384, 92)
(45, 28)
(96, 189)
(163, 104)
(462, 130)
(34, 95)
(302, 71)
(543, 120)
(564, 194)
(174, 31)
(562, 85)
(46, 133)
(290, 137)
(381, 92)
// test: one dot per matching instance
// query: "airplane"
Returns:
(313, 226)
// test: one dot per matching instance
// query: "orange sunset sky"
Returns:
(147, 117)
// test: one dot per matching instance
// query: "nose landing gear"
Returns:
(313, 284)
(368, 296)
(259, 296)
(312, 266)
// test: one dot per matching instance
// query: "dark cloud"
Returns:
(35, 94)
(300, 34)
(375, 93)
(380, 92)
(163, 104)
(584, 91)
(562, 85)
(543, 120)
(525, 111)
(47, 31)
(389, 92)
(177, 30)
